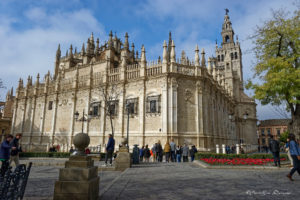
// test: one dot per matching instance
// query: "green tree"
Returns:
(284, 136)
(276, 46)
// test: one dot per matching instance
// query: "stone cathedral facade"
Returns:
(196, 102)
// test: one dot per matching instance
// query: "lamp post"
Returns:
(84, 118)
(127, 108)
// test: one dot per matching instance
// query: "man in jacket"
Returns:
(274, 148)
(110, 147)
(14, 154)
(185, 153)
(173, 148)
(5, 153)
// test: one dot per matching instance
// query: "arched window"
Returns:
(235, 55)
(222, 57)
(227, 39)
(231, 55)
(219, 58)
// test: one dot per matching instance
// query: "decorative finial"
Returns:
(226, 11)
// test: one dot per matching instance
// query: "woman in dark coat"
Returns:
(5, 153)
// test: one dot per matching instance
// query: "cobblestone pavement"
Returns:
(177, 181)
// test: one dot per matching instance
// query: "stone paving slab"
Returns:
(189, 181)
(176, 181)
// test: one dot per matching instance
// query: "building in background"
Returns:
(190, 101)
(6, 113)
(273, 127)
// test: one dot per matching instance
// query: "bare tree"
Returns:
(110, 95)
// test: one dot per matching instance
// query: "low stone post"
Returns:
(237, 148)
(79, 179)
(223, 149)
(123, 160)
(217, 148)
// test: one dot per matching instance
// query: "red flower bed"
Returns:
(238, 161)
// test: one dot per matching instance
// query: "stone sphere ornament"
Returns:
(81, 141)
(124, 142)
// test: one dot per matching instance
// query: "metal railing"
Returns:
(13, 183)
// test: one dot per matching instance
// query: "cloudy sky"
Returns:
(30, 30)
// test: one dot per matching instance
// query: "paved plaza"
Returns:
(176, 181)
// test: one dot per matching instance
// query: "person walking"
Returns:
(193, 151)
(147, 153)
(185, 153)
(178, 153)
(14, 154)
(109, 149)
(173, 149)
(142, 153)
(159, 151)
(167, 151)
(5, 153)
(274, 148)
(287, 149)
(295, 154)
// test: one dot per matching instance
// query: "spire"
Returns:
(202, 58)
(92, 37)
(143, 55)
(172, 55)
(67, 54)
(126, 44)
(132, 49)
(169, 47)
(82, 50)
(136, 55)
(12, 92)
(165, 57)
(88, 46)
(110, 42)
(209, 68)
(97, 47)
(75, 51)
(58, 53)
(197, 59)
(37, 79)
(71, 51)
(227, 31)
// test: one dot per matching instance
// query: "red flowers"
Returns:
(238, 161)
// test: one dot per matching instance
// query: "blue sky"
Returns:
(30, 30)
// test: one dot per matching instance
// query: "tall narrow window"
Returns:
(132, 106)
(222, 57)
(231, 56)
(95, 109)
(50, 105)
(113, 107)
(153, 104)
(235, 55)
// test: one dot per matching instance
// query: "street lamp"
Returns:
(84, 118)
(127, 108)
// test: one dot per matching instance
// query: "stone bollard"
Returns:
(217, 148)
(123, 160)
(79, 179)
(223, 149)
(237, 148)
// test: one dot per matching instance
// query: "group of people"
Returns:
(172, 152)
(9, 151)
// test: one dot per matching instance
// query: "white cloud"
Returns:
(32, 51)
